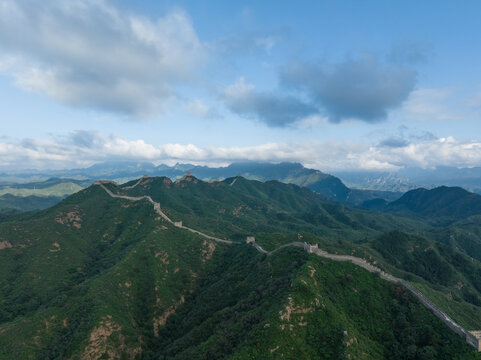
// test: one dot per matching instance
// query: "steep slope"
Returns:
(86, 276)
(295, 306)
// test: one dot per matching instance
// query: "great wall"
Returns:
(158, 210)
(473, 338)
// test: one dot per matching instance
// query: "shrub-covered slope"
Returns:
(100, 277)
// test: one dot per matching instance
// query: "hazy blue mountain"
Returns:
(412, 178)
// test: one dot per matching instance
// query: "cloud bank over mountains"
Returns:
(83, 148)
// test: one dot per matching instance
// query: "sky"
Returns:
(335, 85)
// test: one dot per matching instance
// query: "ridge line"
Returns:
(159, 211)
(469, 337)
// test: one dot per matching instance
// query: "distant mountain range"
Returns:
(15, 197)
(393, 181)
(373, 190)
(411, 178)
(293, 173)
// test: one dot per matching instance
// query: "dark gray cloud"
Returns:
(406, 136)
(362, 88)
(394, 142)
(274, 109)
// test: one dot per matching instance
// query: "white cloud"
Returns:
(239, 89)
(83, 147)
(199, 109)
(441, 104)
(87, 53)
(312, 121)
(430, 104)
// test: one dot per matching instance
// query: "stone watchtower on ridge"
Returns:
(475, 340)
(310, 248)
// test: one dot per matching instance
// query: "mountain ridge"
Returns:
(95, 264)
(323, 183)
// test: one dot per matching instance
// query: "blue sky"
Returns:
(336, 85)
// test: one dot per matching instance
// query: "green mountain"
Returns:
(10, 203)
(98, 276)
(18, 197)
(37, 195)
(291, 173)
(439, 204)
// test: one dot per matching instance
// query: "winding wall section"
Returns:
(472, 339)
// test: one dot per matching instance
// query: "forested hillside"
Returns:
(102, 277)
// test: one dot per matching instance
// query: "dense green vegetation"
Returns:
(18, 197)
(339, 312)
(11, 203)
(251, 206)
(442, 205)
(97, 277)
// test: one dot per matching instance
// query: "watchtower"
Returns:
(250, 239)
(476, 342)
(310, 248)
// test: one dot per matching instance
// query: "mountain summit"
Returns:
(439, 204)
